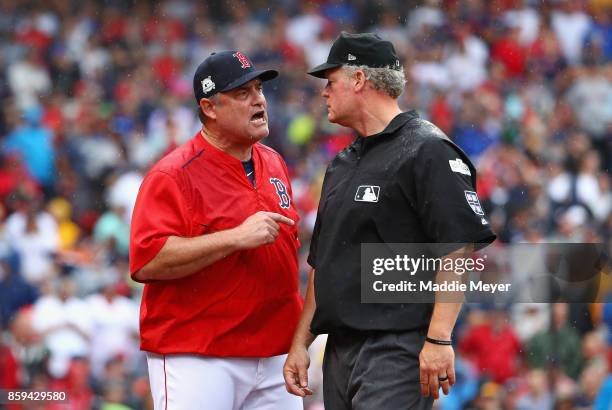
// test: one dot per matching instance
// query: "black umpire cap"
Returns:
(359, 49)
(224, 71)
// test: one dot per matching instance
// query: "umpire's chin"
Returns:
(334, 118)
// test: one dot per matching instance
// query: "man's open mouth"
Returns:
(259, 118)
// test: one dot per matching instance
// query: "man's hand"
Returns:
(295, 372)
(259, 229)
(436, 362)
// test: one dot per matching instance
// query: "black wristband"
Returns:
(438, 342)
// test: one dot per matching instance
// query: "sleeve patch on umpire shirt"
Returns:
(472, 200)
(457, 165)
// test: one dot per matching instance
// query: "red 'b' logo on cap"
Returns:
(242, 58)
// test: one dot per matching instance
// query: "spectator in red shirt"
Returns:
(510, 53)
(493, 347)
(9, 369)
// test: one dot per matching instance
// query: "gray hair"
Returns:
(386, 79)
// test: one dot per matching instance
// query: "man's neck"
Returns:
(240, 152)
(375, 116)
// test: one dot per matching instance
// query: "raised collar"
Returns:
(396, 123)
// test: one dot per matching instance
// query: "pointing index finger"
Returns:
(280, 218)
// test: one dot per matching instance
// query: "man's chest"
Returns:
(370, 200)
(225, 199)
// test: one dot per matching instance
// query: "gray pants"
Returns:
(373, 371)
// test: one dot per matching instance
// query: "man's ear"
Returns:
(208, 108)
(359, 81)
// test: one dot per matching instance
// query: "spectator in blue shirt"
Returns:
(34, 143)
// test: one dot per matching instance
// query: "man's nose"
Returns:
(260, 99)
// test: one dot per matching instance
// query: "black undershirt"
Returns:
(249, 169)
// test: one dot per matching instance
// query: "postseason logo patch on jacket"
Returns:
(457, 165)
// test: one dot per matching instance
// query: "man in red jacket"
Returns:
(214, 237)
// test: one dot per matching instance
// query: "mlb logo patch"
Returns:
(472, 200)
(367, 193)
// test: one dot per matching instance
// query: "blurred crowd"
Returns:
(93, 93)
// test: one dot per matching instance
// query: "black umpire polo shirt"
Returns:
(406, 184)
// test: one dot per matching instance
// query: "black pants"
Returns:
(373, 371)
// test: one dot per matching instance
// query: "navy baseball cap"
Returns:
(359, 49)
(224, 71)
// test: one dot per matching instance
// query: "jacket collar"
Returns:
(396, 123)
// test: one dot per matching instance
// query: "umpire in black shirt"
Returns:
(402, 180)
